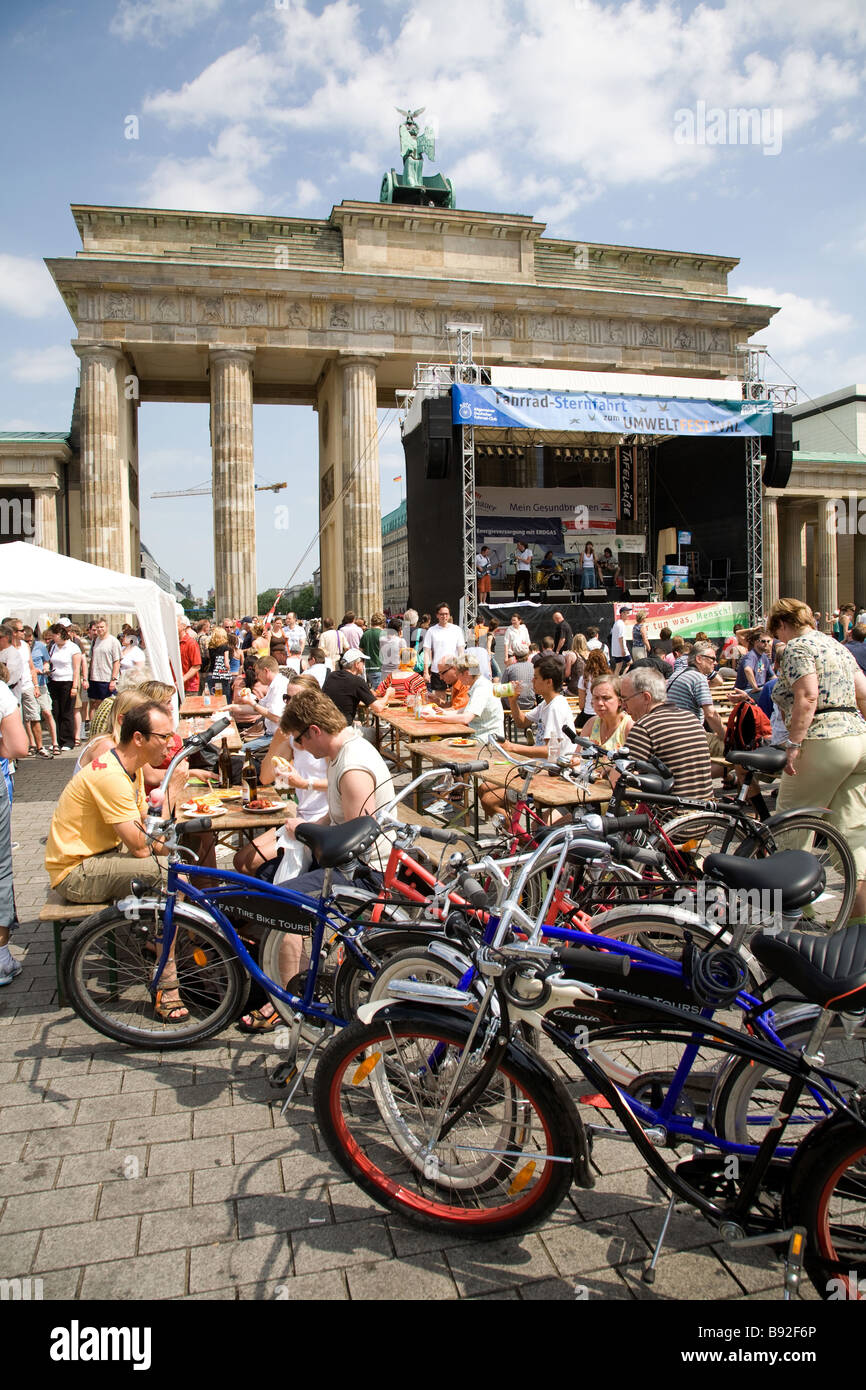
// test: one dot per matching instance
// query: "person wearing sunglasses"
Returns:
(95, 845)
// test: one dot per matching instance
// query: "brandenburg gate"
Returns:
(236, 310)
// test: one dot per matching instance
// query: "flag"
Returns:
(398, 479)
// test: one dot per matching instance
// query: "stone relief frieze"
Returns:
(297, 315)
(119, 306)
(421, 321)
(381, 321)
(503, 326)
(252, 311)
(165, 310)
(684, 339)
(615, 331)
(649, 335)
(578, 331)
(212, 309)
(339, 316)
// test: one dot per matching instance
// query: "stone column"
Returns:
(793, 577)
(234, 496)
(45, 518)
(825, 548)
(104, 538)
(771, 552)
(362, 512)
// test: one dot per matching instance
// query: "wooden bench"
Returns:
(59, 913)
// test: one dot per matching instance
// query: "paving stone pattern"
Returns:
(170, 1176)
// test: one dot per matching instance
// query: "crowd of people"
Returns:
(299, 695)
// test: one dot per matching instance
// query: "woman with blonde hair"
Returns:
(596, 665)
(102, 742)
(219, 674)
(821, 695)
(611, 725)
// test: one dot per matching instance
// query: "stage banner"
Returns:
(585, 508)
(542, 533)
(715, 619)
(627, 545)
(547, 410)
(625, 469)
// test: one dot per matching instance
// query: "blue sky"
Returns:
(571, 110)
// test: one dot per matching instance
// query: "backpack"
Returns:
(747, 728)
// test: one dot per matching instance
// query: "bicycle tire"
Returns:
(828, 844)
(706, 832)
(827, 1194)
(749, 1092)
(106, 974)
(377, 1088)
(353, 981)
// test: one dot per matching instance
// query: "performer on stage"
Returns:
(482, 569)
(523, 568)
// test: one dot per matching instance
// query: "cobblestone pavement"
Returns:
(134, 1175)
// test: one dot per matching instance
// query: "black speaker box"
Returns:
(779, 448)
(594, 596)
(439, 435)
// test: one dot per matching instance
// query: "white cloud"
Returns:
(800, 320)
(158, 20)
(26, 288)
(236, 86)
(219, 181)
(306, 194)
(20, 424)
(36, 365)
(584, 93)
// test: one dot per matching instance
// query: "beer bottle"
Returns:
(224, 766)
(249, 780)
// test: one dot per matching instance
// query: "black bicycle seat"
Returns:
(766, 759)
(336, 844)
(649, 782)
(825, 969)
(794, 873)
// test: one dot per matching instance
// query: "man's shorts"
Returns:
(106, 877)
(30, 710)
(44, 700)
(98, 690)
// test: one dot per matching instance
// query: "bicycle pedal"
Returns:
(283, 1075)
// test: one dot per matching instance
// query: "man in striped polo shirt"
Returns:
(666, 732)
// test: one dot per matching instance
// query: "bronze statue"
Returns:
(412, 187)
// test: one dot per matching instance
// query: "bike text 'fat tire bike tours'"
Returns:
(437, 1108)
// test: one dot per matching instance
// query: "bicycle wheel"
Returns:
(749, 1092)
(821, 838)
(645, 1066)
(378, 1093)
(354, 981)
(109, 961)
(827, 1195)
(701, 833)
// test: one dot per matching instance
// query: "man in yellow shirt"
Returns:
(96, 846)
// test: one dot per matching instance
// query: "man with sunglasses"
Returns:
(95, 845)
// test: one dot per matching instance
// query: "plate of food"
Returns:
(258, 806)
(459, 742)
(203, 808)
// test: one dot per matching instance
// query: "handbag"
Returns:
(296, 858)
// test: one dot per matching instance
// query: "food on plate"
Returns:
(259, 805)
(460, 742)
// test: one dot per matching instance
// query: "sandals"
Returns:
(170, 1010)
(259, 1022)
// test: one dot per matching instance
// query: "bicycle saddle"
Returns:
(825, 969)
(649, 782)
(336, 844)
(795, 873)
(766, 759)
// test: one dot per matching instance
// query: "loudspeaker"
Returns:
(779, 452)
(594, 596)
(679, 593)
(438, 435)
(642, 594)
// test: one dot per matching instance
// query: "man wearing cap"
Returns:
(245, 636)
(618, 647)
(348, 688)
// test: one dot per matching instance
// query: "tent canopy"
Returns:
(34, 581)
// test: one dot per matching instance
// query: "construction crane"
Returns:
(205, 488)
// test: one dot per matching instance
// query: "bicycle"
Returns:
(113, 963)
(439, 1111)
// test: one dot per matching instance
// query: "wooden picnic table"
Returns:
(546, 791)
(235, 825)
(403, 724)
(194, 704)
(230, 736)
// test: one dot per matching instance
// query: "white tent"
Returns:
(35, 582)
